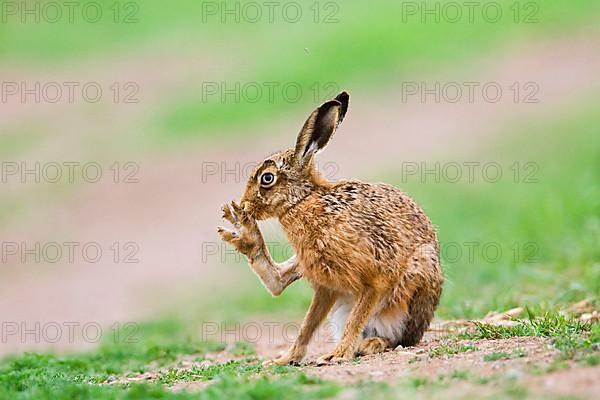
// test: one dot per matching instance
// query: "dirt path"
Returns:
(171, 213)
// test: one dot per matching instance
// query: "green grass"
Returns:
(292, 386)
(208, 373)
(47, 376)
(67, 378)
(87, 376)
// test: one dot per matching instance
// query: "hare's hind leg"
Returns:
(361, 311)
(373, 345)
(373, 340)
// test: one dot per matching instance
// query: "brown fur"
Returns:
(365, 245)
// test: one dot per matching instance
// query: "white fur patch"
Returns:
(390, 328)
(338, 317)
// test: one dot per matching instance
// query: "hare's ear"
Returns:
(320, 127)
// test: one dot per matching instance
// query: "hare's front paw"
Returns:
(246, 238)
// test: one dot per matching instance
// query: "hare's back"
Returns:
(378, 211)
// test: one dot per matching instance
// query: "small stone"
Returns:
(514, 374)
(420, 351)
(376, 374)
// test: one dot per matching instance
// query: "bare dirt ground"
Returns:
(174, 209)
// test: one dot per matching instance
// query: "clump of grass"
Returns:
(417, 381)
(496, 355)
(568, 335)
(460, 374)
(551, 324)
(449, 349)
(243, 349)
(514, 391)
(592, 360)
(502, 355)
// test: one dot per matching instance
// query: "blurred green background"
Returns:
(166, 57)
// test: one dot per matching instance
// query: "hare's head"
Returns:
(287, 177)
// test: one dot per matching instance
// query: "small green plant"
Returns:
(460, 374)
(417, 381)
(592, 360)
(501, 355)
(496, 355)
(449, 349)
(243, 349)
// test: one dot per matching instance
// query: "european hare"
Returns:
(369, 252)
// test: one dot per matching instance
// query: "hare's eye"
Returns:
(267, 180)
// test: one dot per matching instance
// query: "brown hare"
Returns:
(369, 252)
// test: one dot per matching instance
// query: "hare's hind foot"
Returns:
(373, 345)
(286, 359)
(335, 357)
